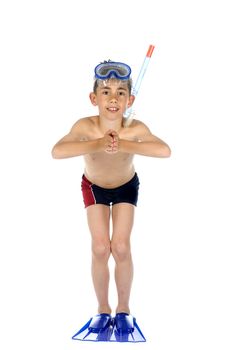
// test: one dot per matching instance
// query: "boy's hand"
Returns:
(111, 142)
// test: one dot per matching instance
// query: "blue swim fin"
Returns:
(98, 328)
(122, 328)
(126, 329)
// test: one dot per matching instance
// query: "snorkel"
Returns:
(129, 114)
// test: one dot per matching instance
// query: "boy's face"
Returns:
(112, 98)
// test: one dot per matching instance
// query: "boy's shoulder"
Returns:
(139, 130)
(83, 126)
(85, 122)
(138, 124)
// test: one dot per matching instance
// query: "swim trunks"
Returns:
(126, 193)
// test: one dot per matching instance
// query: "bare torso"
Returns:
(108, 170)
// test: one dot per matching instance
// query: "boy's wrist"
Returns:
(124, 145)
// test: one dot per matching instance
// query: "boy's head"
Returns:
(112, 70)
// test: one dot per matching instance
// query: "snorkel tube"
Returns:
(129, 114)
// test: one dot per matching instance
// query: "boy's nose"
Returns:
(113, 98)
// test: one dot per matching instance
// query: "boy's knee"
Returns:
(101, 250)
(120, 250)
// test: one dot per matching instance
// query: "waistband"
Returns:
(135, 177)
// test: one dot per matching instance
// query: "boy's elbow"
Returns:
(55, 153)
(165, 151)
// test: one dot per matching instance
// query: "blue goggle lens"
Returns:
(109, 70)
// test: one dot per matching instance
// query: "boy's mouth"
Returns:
(113, 109)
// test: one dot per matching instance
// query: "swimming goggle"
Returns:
(110, 69)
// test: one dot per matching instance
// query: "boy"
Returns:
(110, 183)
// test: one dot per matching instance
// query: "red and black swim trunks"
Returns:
(93, 194)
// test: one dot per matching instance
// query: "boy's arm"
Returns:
(76, 143)
(146, 144)
(68, 147)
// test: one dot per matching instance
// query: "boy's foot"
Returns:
(100, 322)
(124, 323)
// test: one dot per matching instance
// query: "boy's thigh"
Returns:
(123, 219)
(98, 216)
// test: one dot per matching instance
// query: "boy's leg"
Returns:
(122, 216)
(98, 222)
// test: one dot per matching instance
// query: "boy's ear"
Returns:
(131, 100)
(92, 97)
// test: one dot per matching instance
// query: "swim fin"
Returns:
(126, 329)
(122, 328)
(98, 328)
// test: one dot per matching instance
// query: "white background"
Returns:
(182, 240)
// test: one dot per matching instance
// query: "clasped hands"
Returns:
(110, 142)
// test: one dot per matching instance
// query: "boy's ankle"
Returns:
(124, 309)
(104, 310)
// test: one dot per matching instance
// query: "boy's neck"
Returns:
(105, 124)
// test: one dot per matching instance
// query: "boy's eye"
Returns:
(119, 93)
